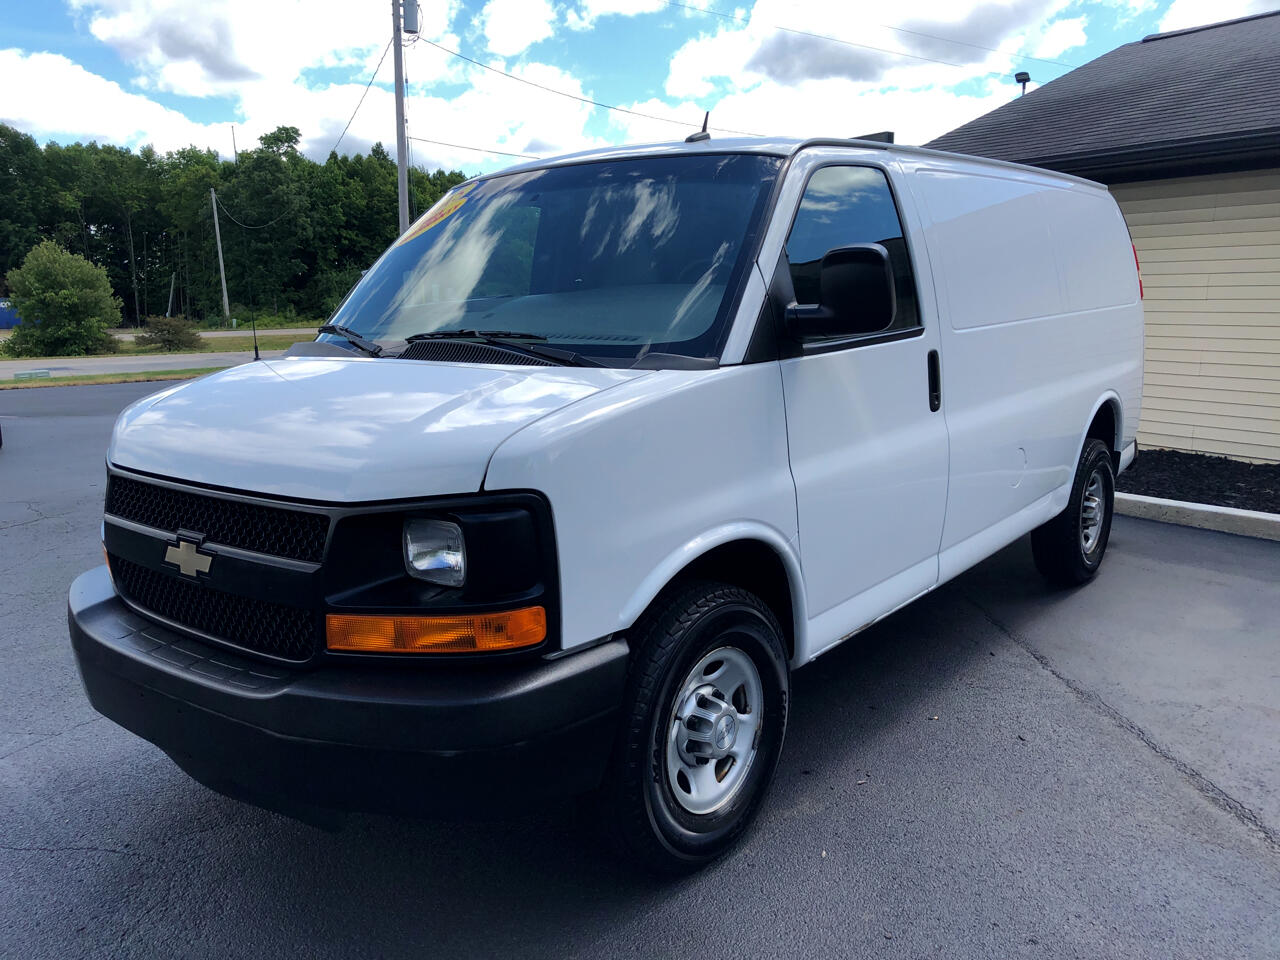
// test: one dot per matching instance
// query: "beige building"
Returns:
(1185, 129)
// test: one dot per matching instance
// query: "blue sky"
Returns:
(177, 72)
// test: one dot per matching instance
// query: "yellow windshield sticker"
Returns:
(446, 206)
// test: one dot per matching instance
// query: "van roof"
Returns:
(767, 146)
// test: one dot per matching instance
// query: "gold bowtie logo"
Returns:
(188, 559)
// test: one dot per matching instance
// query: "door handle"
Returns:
(935, 382)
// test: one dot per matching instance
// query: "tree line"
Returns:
(295, 233)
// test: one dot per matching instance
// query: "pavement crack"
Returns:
(1206, 787)
(47, 738)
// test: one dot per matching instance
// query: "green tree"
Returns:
(21, 176)
(185, 179)
(170, 334)
(65, 303)
(295, 233)
(281, 140)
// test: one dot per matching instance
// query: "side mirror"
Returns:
(856, 291)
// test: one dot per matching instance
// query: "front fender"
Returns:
(647, 476)
(680, 559)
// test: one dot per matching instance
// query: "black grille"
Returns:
(453, 351)
(272, 628)
(277, 531)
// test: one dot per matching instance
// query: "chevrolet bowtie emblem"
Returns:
(188, 559)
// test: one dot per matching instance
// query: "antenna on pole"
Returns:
(1023, 78)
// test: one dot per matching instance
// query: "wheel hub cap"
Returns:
(726, 733)
(713, 730)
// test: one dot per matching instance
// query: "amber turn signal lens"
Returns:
(481, 633)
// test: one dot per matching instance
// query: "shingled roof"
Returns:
(1170, 103)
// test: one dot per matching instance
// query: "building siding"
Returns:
(1210, 254)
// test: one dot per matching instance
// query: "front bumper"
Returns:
(405, 738)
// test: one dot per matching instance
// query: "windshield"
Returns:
(610, 260)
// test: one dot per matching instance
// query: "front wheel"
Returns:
(705, 718)
(1068, 549)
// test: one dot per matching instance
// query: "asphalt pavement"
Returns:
(996, 771)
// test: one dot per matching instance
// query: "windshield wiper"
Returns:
(474, 335)
(514, 341)
(368, 346)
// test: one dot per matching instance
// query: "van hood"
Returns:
(345, 430)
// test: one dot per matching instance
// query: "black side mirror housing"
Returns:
(857, 295)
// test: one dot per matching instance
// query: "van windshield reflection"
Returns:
(610, 261)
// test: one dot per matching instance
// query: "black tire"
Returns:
(637, 806)
(1059, 546)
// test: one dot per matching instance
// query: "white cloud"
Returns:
(216, 47)
(1060, 36)
(913, 42)
(512, 26)
(585, 16)
(259, 53)
(494, 112)
(263, 55)
(637, 129)
(1128, 9)
(900, 69)
(103, 110)
(501, 113)
(1197, 13)
(804, 110)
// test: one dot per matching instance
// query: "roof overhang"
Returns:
(1173, 158)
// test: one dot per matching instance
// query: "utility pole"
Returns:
(402, 147)
(217, 236)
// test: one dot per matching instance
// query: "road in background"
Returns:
(995, 771)
(244, 330)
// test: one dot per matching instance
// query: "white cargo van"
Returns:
(592, 458)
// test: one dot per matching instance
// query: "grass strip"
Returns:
(140, 376)
(280, 341)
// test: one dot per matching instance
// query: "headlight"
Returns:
(434, 551)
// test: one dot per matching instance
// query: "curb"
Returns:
(1246, 523)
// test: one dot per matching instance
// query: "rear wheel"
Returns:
(1069, 548)
(706, 714)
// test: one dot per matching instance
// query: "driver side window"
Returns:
(842, 206)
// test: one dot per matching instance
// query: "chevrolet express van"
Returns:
(592, 458)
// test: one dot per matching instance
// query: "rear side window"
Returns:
(843, 206)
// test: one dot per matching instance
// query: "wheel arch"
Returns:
(753, 556)
(1105, 423)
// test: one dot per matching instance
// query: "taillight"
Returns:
(1137, 266)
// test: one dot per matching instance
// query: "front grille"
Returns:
(277, 531)
(271, 628)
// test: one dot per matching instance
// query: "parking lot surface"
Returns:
(996, 771)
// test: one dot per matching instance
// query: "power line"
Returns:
(224, 209)
(574, 96)
(362, 96)
(462, 146)
(865, 46)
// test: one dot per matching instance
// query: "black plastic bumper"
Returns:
(412, 740)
